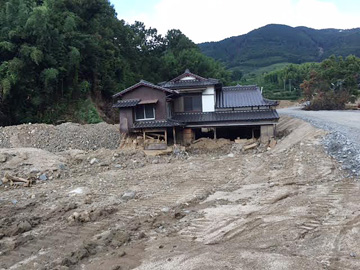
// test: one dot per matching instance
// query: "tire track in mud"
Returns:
(326, 197)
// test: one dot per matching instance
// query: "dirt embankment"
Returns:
(286, 207)
(62, 137)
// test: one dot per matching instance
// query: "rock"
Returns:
(122, 254)
(128, 195)
(1, 182)
(117, 267)
(352, 254)
(3, 158)
(43, 177)
(104, 164)
(34, 170)
(272, 143)
(84, 217)
(77, 191)
(141, 235)
(231, 155)
(23, 226)
(62, 166)
(93, 161)
(271, 184)
(118, 166)
(155, 161)
(165, 209)
(179, 215)
(80, 217)
(14, 201)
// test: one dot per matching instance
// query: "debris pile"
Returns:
(206, 145)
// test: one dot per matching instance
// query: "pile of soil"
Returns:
(205, 145)
(62, 137)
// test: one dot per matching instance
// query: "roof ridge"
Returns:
(145, 83)
(187, 72)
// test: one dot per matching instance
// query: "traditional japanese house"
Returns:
(190, 106)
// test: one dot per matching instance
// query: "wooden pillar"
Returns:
(144, 135)
(215, 135)
(174, 135)
(252, 133)
(166, 136)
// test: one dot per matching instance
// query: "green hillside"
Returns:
(273, 44)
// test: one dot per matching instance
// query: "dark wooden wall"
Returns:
(144, 93)
(147, 93)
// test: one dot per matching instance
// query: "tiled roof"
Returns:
(190, 83)
(241, 96)
(144, 83)
(156, 124)
(248, 115)
(126, 103)
(187, 73)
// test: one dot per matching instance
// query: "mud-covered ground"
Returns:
(291, 207)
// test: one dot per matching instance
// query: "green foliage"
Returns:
(333, 83)
(57, 52)
(329, 84)
(87, 113)
(36, 55)
(6, 86)
(6, 46)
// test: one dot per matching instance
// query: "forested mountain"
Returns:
(273, 44)
(63, 59)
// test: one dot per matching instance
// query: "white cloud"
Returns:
(212, 20)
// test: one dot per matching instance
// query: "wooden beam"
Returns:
(215, 135)
(174, 135)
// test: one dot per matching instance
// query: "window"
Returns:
(145, 112)
(192, 103)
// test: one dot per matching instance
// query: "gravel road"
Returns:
(343, 140)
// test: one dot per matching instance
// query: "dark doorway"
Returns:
(243, 132)
(231, 133)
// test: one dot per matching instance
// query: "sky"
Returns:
(214, 20)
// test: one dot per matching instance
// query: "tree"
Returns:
(333, 83)
(56, 55)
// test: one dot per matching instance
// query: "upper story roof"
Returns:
(241, 96)
(126, 103)
(147, 84)
(189, 80)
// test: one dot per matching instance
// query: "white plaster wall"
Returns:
(188, 78)
(208, 99)
(210, 90)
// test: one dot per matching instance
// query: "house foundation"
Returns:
(267, 133)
